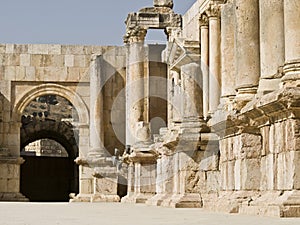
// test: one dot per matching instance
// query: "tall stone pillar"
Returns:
(271, 44)
(192, 82)
(271, 37)
(135, 92)
(204, 62)
(247, 59)
(96, 110)
(227, 49)
(214, 57)
(292, 37)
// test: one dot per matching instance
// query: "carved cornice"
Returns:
(203, 20)
(134, 34)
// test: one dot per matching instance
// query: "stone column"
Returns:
(292, 37)
(271, 44)
(204, 62)
(271, 37)
(247, 59)
(192, 90)
(227, 49)
(135, 81)
(96, 110)
(214, 57)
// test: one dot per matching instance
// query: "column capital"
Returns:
(134, 34)
(214, 10)
(203, 20)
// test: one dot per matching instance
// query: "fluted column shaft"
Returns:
(227, 50)
(204, 62)
(292, 37)
(271, 37)
(135, 82)
(214, 57)
(247, 57)
(192, 82)
(96, 109)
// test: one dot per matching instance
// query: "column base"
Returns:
(291, 76)
(160, 200)
(95, 198)
(81, 198)
(191, 200)
(137, 198)
(105, 198)
(244, 95)
(12, 197)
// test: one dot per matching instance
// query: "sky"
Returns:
(87, 22)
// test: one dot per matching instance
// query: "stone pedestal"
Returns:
(142, 177)
(10, 179)
(105, 185)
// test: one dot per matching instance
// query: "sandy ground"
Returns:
(118, 214)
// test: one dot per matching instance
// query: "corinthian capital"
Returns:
(134, 34)
(214, 10)
(203, 20)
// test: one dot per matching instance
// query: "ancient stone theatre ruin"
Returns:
(209, 120)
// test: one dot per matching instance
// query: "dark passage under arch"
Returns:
(45, 178)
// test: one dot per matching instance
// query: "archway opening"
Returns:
(49, 147)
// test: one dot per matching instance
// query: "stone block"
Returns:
(80, 61)
(213, 181)
(224, 175)
(106, 186)
(12, 59)
(36, 60)
(230, 175)
(86, 186)
(3, 171)
(3, 185)
(279, 140)
(21, 48)
(54, 49)
(10, 73)
(251, 146)
(20, 73)
(9, 48)
(24, 59)
(285, 171)
(296, 162)
(69, 60)
(2, 48)
(13, 185)
(250, 174)
(72, 49)
(237, 174)
(38, 49)
(30, 73)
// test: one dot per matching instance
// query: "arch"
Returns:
(61, 132)
(55, 89)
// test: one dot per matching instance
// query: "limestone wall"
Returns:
(191, 29)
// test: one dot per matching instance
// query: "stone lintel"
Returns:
(150, 18)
